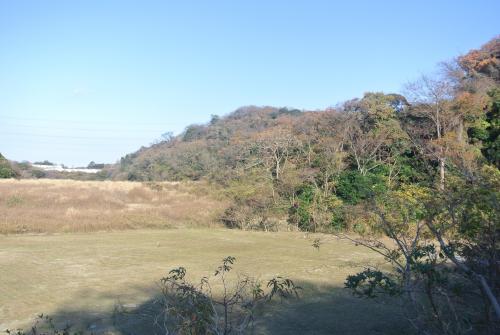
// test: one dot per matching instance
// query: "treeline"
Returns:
(316, 170)
(26, 170)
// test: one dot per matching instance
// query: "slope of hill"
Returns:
(202, 150)
(317, 169)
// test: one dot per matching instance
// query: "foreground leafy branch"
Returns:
(443, 248)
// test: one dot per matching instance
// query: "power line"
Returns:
(85, 129)
(82, 121)
(48, 148)
(34, 142)
(76, 137)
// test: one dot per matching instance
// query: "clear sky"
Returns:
(94, 80)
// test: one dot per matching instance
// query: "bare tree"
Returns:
(431, 99)
(365, 147)
(275, 147)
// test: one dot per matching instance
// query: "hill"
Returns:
(316, 169)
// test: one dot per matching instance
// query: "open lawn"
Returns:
(87, 277)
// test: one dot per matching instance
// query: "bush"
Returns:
(6, 172)
(44, 325)
(189, 308)
(300, 213)
(353, 187)
(338, 221)
(38, 173)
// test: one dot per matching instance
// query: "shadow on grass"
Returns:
(326, 310)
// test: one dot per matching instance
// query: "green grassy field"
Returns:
(83, 277)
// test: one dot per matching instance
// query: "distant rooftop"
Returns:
(61, 168)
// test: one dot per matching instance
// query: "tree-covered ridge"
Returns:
(317, 169)
(416, 176)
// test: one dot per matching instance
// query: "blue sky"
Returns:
(94, 80)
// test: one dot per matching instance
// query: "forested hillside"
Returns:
(318, 169)
(416, 176)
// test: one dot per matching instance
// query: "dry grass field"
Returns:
(45, 205)
(87, 277)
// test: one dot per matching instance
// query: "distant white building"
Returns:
(61, 168)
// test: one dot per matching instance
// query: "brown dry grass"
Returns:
(41, 206)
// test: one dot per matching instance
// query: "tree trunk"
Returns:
(277, 169)
(441, 154)
(441, 173)
(460, 132)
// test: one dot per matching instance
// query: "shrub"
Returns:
(338, 222)
(38, 173)
(14, 200)
(300, 213)
(189, 308)
(44, 325)
(353, 187)
(6, 170)
(300, 216)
